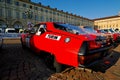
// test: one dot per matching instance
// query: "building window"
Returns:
(116, 25)
(24, 5)
(50, 19)
(50, 12)
(1, 12)
(17, 15)
(36, 8)
(30, 7)
(46, 19)
(36, 17)
(41, 9)
(17, 3)
(42, 18)
(54, 13)
(9, 13)
(58, 14)
(46, 11)
(1, 0)
(24, 16)
(8, 1)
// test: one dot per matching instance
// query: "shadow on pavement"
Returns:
(106, 62)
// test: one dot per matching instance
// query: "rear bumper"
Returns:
(92, 57)
(90, 64)
(99, 49)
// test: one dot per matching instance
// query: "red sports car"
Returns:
(63, 44)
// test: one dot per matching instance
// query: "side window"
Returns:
(41, 29)
(60, 27)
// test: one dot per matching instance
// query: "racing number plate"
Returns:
(53, 37)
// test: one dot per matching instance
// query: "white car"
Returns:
(10, 30)
(11, 33)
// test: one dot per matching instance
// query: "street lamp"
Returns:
(28, 13)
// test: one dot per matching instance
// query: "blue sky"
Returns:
(87, 8)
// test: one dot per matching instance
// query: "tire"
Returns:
(57, 66)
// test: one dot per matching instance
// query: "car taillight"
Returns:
(81, 59)
(83, 51)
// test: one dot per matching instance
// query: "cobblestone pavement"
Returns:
(19, 64)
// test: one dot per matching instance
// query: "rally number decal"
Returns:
(53, 37)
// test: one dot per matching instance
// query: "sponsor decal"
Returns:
(53, 37)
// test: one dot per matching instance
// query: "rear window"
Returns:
(69, 28)
(89, 29)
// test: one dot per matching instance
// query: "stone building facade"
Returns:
(108, 22)
(20, 13)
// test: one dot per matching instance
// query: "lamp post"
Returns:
(29, 15)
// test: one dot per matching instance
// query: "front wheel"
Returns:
(57, 66)
(23, 46)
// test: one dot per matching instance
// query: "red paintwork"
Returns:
(65, 53)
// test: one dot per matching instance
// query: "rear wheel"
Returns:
(49, 60)
(51, 63)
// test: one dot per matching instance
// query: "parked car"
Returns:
(109, 35)
(116, 35)
(63, 44)
(11, 33)
(104, 39)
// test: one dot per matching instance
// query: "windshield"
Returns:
(69, 28)
(89, 29)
